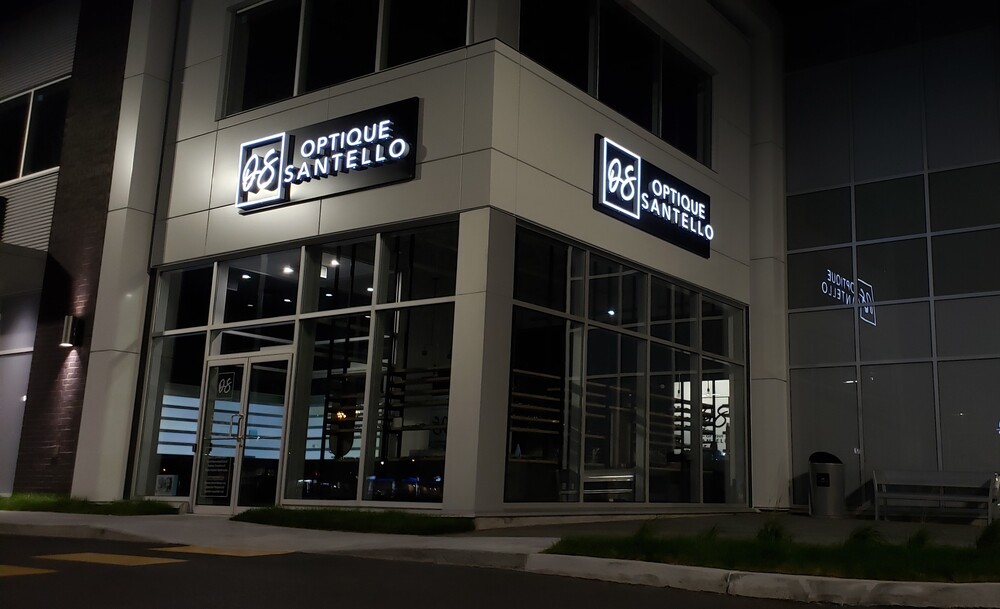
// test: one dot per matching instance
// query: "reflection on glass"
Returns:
(346, 275)
(543, 441)
(673, 313)
(617, 294)
(419, 264)
(261, 434)
(672, 473)
(261, 286)
(407, 441)
(614, 429)
(325, 435)
(219, 435)
(170, 424)
(722, 433)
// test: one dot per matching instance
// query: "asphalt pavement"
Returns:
(519, 548)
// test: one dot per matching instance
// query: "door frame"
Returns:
(247, 360)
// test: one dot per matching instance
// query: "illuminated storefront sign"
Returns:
(363, 150)
(639, 193)
(845, 291)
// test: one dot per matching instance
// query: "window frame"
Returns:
(26, 136)
(301, 62)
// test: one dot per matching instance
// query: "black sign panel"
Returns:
(362, 150)
(636, 192)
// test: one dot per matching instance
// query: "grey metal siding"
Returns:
(27, 211)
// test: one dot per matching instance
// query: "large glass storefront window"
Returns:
(604, 399)
(248, 324)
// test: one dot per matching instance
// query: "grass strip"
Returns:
(33, 502)
(863, 556)
(360, 521)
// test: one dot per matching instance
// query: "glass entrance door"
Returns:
(241, 433)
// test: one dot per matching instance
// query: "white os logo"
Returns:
(622, 182)
(259, 176)
(226, 385)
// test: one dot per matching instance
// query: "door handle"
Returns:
(234, 419)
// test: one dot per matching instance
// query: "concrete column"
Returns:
(477, 415)
(109, 397)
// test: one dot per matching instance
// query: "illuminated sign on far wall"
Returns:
(636, 192)
(362, 150)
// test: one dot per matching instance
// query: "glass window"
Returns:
(890, 209)
(686, 105)
(564, 49)
(819, 218)
(409, 413)
(419, 264)
(249, 339)
(14, 371)
(723, 432)
(614, 430)
(262, 60)
(324, 437)
(353, 24)
(183, 298)
(261, 286)
(672, 468)
(541, 266)
(969, 420)
(617, 294)
(900, 332)
(543, 442)
(673, 315)
(169, 434)
(628, 64)
(45, 131)
(18, 320)
(897, 402)
(346, 274)
(968, 326)
(820, 279)
(965, 197)
(421, 29)
(824, 408)
(960, 262)
(13, 124)
(821, 337)
(722, 329)
(894, 270)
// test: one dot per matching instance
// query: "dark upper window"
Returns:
(604, 49)
(32, 124)
(288, 47)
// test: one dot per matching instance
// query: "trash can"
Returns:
(826, 486)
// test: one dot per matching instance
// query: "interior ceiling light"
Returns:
(288, 270)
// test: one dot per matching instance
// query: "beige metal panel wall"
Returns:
(27, 211)
(36, 44)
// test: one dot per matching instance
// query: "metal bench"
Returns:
(953, 491)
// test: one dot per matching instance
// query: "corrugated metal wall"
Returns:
(27, 211)
(36, 44)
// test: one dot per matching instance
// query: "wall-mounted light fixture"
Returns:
(72, 329)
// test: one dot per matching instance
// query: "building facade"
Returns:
(446, 256)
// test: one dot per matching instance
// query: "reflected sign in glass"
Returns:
(355, 152)
(639, 193)
(843, 290)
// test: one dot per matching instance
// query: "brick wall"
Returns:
(56, 382)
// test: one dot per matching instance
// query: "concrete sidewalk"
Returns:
(520, 548)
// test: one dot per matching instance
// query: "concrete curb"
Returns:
(804, 588)
(72, 531)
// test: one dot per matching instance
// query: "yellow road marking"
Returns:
(242, 552)
(122, 560)
(12, 570)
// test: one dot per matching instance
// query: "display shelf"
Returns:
(535, 432)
